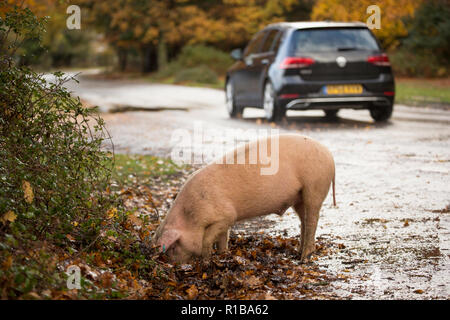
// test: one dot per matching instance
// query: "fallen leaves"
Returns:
(255, 267)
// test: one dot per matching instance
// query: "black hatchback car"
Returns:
(311, 65)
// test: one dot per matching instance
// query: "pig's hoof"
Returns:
(206, 262)
(304, 258)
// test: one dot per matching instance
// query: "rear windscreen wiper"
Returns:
(347, 48)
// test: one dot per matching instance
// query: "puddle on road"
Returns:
(125, 108)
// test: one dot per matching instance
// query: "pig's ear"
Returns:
(168, 238)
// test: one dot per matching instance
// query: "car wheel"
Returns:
(233, 110)
(381, 113)
(331, 114)
(274, 112)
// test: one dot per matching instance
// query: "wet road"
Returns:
(389, 236)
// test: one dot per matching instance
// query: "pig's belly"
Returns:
(266, 204)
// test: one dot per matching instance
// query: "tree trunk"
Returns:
(148, 58)
(122, 55)
(162, 51)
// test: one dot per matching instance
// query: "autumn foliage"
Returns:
(393, 16)
(149, 35)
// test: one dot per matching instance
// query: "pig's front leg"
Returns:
(222, 242)
(213, 233)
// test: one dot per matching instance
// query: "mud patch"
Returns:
(444, 210)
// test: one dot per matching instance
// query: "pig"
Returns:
(222, 193)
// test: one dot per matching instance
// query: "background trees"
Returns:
(146, 35)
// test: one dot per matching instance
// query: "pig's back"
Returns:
(252, 193)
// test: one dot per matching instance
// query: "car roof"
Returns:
(316, 24)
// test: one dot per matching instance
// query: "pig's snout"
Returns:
(170, 243)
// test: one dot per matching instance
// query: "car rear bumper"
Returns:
(298, 94)
(336, 102)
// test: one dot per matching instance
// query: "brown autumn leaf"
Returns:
(31, 296)
(135, 220)
(27, 192)
(7, 263)
(106, 279)
(8, 216)
(240, 260)
(253, 281)
(111, 213)
(192, 292)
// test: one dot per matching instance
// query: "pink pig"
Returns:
(298, 175)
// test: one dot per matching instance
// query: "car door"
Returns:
(261, 62)
(244, 77)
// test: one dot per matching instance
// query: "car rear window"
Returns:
(336, 39)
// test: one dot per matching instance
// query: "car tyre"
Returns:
(233, 109)
(381, 113)
(274, 112)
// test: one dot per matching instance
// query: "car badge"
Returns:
(341, 61)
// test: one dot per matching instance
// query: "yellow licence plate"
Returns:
(344, 89)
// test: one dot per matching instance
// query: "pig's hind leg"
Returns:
(311, 202)
(300, 210)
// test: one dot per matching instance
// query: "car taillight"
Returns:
(296, 62)
(379, 60)
(289, 95)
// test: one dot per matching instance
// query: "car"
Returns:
(311, 65)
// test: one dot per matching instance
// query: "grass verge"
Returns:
(423, 91)
(130, 169)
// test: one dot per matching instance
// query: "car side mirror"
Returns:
(236, 54)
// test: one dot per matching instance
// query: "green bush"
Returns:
(426, 50)
(53, 171)
(429, 33)
(200, 64)
(200, 74)
(216, 60)
(407, 63)
(56, 203)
